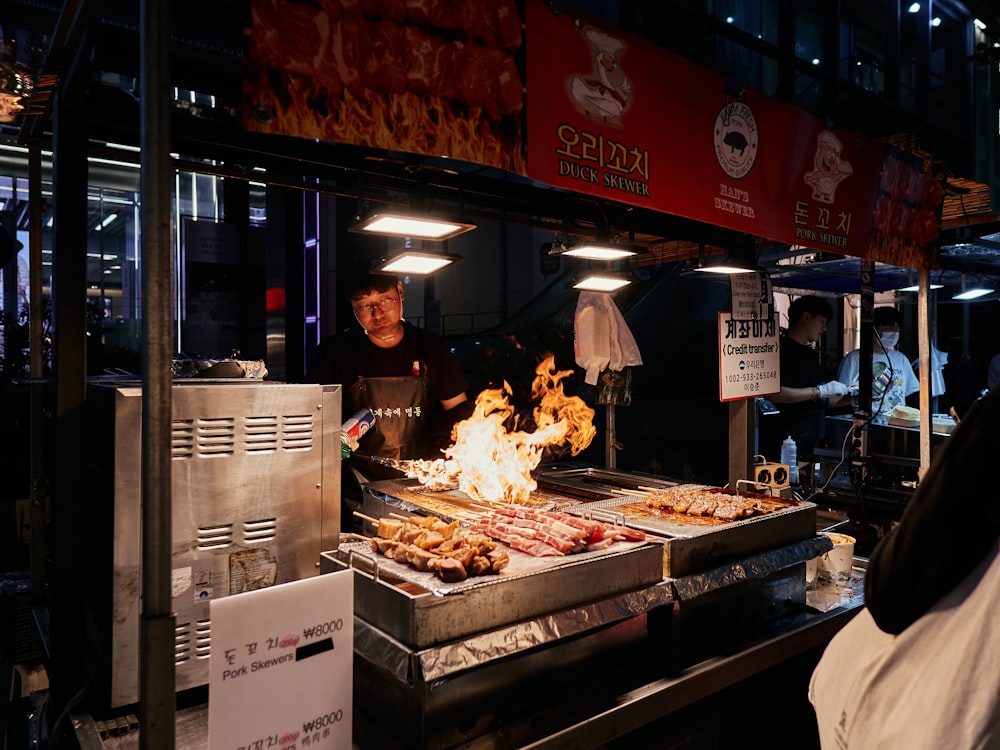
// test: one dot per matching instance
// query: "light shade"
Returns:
(595, 250)
(725, 269)
(916, 287)
(973, 293)
(416, 226)
(602, 282)
(417, 264)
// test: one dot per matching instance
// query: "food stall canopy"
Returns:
(579, 105)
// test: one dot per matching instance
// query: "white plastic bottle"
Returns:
(789, 457)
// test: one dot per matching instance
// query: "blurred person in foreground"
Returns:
(893, 378)
(408, 378)
(919, 666)
(805, 393)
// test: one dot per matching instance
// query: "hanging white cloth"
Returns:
(602, 337)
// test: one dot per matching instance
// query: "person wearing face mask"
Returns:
(892, 375)
(404, 375)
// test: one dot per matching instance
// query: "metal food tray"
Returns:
(421, 610)
(694, 547)
(595, 482)
(385, 497)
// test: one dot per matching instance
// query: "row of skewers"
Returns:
(455, 551)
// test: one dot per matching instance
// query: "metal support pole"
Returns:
(742, 439)
(157, 676)
(65, 597)
(863, 414)
(924, 355)
(611, 444)
(39, 494)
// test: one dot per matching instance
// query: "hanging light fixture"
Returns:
(724, 268)
(742, 258)
(972, 293)
(416, 263)
(602, 282)
(607, 251)
(411, 224)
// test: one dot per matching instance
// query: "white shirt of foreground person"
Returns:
(935, 685)
(904, 381)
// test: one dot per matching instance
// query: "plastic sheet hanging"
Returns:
(603, 341)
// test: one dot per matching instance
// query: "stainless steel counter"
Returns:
(569, 720)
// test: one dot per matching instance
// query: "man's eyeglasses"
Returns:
(369, 310)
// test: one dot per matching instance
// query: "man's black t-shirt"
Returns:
(804, 420)
(345, 357)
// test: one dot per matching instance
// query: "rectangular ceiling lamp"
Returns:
(602, 282)
(916, 288)
(725, 269)
(415, 226)
(413, 263)
(973, 293)
(596, 251)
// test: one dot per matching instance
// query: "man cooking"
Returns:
(804, 396)
(402, 374)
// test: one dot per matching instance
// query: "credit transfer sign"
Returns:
(749, 361)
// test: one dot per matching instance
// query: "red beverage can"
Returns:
(358, 424)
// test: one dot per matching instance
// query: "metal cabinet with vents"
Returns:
(255, 499)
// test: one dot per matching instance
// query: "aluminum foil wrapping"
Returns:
(750, 568)
(357, 553)
(218, 368)
(445, 660)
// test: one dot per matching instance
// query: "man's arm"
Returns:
(451, 403)
(789, 395)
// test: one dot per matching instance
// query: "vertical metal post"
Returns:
(66, 598)
(924, 358)
(611, 443)
(863, 414)
(157, 689)
(742, 439)
(38, 492)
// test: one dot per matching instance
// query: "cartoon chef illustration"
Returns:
(605, 97)
(829, 170)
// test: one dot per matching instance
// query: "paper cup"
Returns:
(836, 564)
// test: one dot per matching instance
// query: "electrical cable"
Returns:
(892, 375)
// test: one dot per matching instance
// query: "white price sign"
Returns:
(281, 673)
(752, 296)
(749, 361)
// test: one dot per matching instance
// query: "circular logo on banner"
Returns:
(736, 139)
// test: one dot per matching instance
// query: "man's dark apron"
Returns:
(401, 406)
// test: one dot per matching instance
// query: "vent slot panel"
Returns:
(216, 437)
(261, 434)
(215, 537)
(297, 432)
(203, 639)
(182, 438)
(182, 643)
(263, 530)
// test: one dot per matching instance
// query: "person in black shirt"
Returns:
(404, 375)
(804, 396)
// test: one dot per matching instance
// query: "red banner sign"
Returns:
(615, 116)
(605, 113)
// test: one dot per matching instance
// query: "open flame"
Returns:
(490, 462)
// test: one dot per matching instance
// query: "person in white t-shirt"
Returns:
(893, 378)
